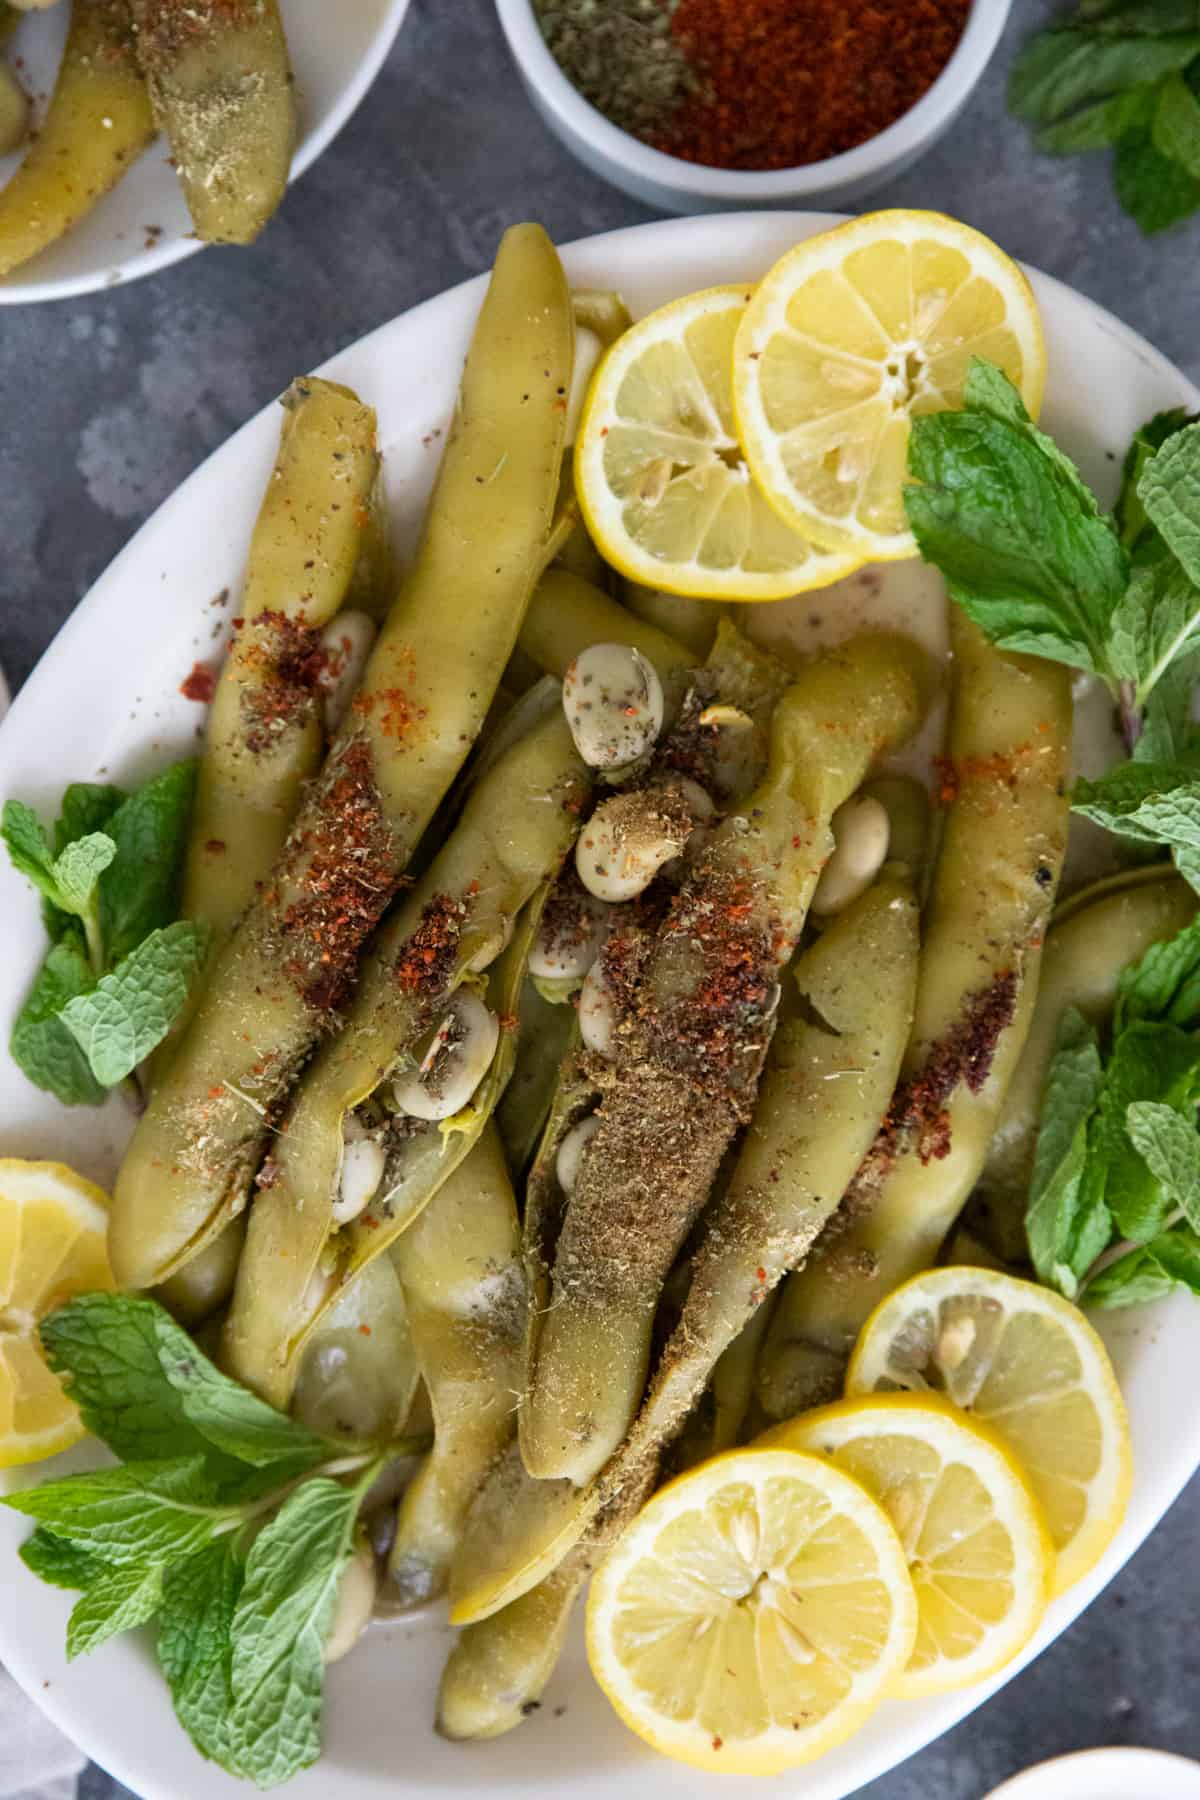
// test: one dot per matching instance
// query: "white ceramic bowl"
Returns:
(673, 185)
(106, 697)
(143, 225)
(1120, 1773)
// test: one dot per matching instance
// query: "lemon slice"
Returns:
(52, 1245)
(1026, 1363)
(662, 481)
(978, 1550)
(753, 1614)
(850, 336)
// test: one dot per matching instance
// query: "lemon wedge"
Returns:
(753, 1614)
(1025, 1362)
(978, 1551)
(52, 1245)
(849, 337)
(664, 487)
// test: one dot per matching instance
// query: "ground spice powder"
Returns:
(786, 82)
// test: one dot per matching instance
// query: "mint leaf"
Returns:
(1099, 125)
(1149, 1062)
(280, 1624)
(1150, 437)
(1164, 984)
(140, 893)
(1169, 491)
(87, 806)
(1156, 622)
(1019, 538)
(1060, 70)
(1168, 730)
(1154, 191)
(28, 847)
(115, 1601)
(78, 870)
(1151, 1272)
(1170, 1145)
(41, 1046)
(129, 1013)
(1151, 803)
(1065, 1239)
(1176, 129)
(145, 1388)
(195, 1646)
(137, 1513)
(59, 1562)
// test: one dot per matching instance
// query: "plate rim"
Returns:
(121, 1759)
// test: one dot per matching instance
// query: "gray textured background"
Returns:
(107, 403)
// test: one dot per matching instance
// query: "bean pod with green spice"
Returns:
(282, 980)
(993, 889)
(686, 1074)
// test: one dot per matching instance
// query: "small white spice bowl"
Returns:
(673, 185)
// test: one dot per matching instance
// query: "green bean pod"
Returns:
(567, 614)
(360, 1369)
(517, 825)
(222, 87)
(264, 738)
(544, 1036)
(281, 981)
(689, 1057)
(693, 622)
(98, 122)
(376, 576)
(993, 890)
(732, 1383)
(460, 1267)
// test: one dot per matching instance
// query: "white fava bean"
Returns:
(570, 1153)
(597, 1014)
(361, 1172)
(613, 701)
(570, 936)
(347, 642)
(459, 1056)
(627, 841)
(353, 1604)
(861, 830)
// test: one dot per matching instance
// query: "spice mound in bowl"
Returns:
(693, 105)
(771, 84)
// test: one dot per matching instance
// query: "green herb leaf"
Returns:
(1154, 191)
(59, 1562)
(1176, 129)
(1168, 731)
(1065, 1239)
(115, 1601)
(1149, 438)
(1169, 490)
(1170, 1145)
(1151, 803)
(1149, 1062)
(1151, 1272)
(1156, 622)
(78, 870)
(280, 1625)
(129, 1013)
(1019, 537)
(87, 806)
(1134, 16)
(138, 1513)
(143, 1385)
(28, 847)
(1060, 70)
(42, 1047)
(140, 892)
(195, 1645)
(1164, 984)
(1099, 125)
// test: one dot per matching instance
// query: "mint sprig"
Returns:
(226, 1521)
(1125, 75)
(119, 968)
(1029, 554)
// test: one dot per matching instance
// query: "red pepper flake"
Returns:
(788, 82)
(215, 846)
(428, 955)
(289, 666)
(365, 1330)
(200, 685)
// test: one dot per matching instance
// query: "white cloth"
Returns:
(36, 1761)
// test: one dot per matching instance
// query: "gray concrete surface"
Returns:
(107, 403)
